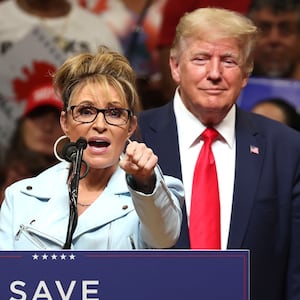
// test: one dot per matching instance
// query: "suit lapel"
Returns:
(250, 149)
(159, 132)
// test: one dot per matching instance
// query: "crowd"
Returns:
(137, 76)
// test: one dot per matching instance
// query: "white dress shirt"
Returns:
(189, 131)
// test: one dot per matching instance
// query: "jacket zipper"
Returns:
(32, 235)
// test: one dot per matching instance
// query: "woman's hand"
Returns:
(139, 161)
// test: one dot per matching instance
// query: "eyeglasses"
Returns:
(88, 114)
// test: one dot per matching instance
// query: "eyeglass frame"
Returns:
(103, 111)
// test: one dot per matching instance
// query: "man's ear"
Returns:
(174, 67)
(245, 80)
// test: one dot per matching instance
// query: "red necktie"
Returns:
(205, 205)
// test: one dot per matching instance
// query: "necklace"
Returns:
(83, 204)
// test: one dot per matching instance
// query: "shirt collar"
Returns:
(185, 119)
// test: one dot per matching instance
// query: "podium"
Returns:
(129, 275)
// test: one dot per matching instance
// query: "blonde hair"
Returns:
(217, 23)
(106, 67)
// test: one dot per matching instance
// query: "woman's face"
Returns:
(40, 130)
(105, 141)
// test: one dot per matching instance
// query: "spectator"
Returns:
(74, 29)
(277, 50)
(31, 147)
(257, 178)
(136, 23)
(280, 110)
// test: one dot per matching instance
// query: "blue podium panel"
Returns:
(129, 275)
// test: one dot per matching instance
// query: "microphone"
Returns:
(72, 152)
(81, 143)
(69, 151)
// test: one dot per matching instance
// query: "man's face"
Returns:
(276, 51)
(210, 77)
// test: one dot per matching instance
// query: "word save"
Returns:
(43, 291)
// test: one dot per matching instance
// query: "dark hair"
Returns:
(291, 114)
(18, 154)
(276, 6)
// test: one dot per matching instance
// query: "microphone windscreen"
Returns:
(81, 143)
(69, 151)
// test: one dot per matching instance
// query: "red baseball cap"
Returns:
(43, 95)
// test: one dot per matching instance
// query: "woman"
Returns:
(31, 147)
(122, 203)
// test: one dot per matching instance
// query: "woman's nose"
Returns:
(100, 121)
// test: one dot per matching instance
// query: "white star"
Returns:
(54, 256)
(45, 256)
(63, 257)
(35, 256)
(72, 256)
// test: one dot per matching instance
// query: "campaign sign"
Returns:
(116, 275)
(259, 89)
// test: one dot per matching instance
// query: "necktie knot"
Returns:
(209, 135)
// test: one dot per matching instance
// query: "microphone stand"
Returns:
(74, 153)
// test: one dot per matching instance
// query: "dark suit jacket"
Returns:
(266, 201)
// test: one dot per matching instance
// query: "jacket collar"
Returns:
(54, 182)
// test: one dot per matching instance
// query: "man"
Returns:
(277, 50)
(257, 159)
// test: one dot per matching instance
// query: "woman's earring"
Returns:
(56, 145)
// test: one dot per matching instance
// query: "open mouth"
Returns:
(98, 144)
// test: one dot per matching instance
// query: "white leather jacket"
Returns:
(35, 214)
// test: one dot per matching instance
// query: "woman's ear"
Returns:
(132, 126)
(63, 122)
